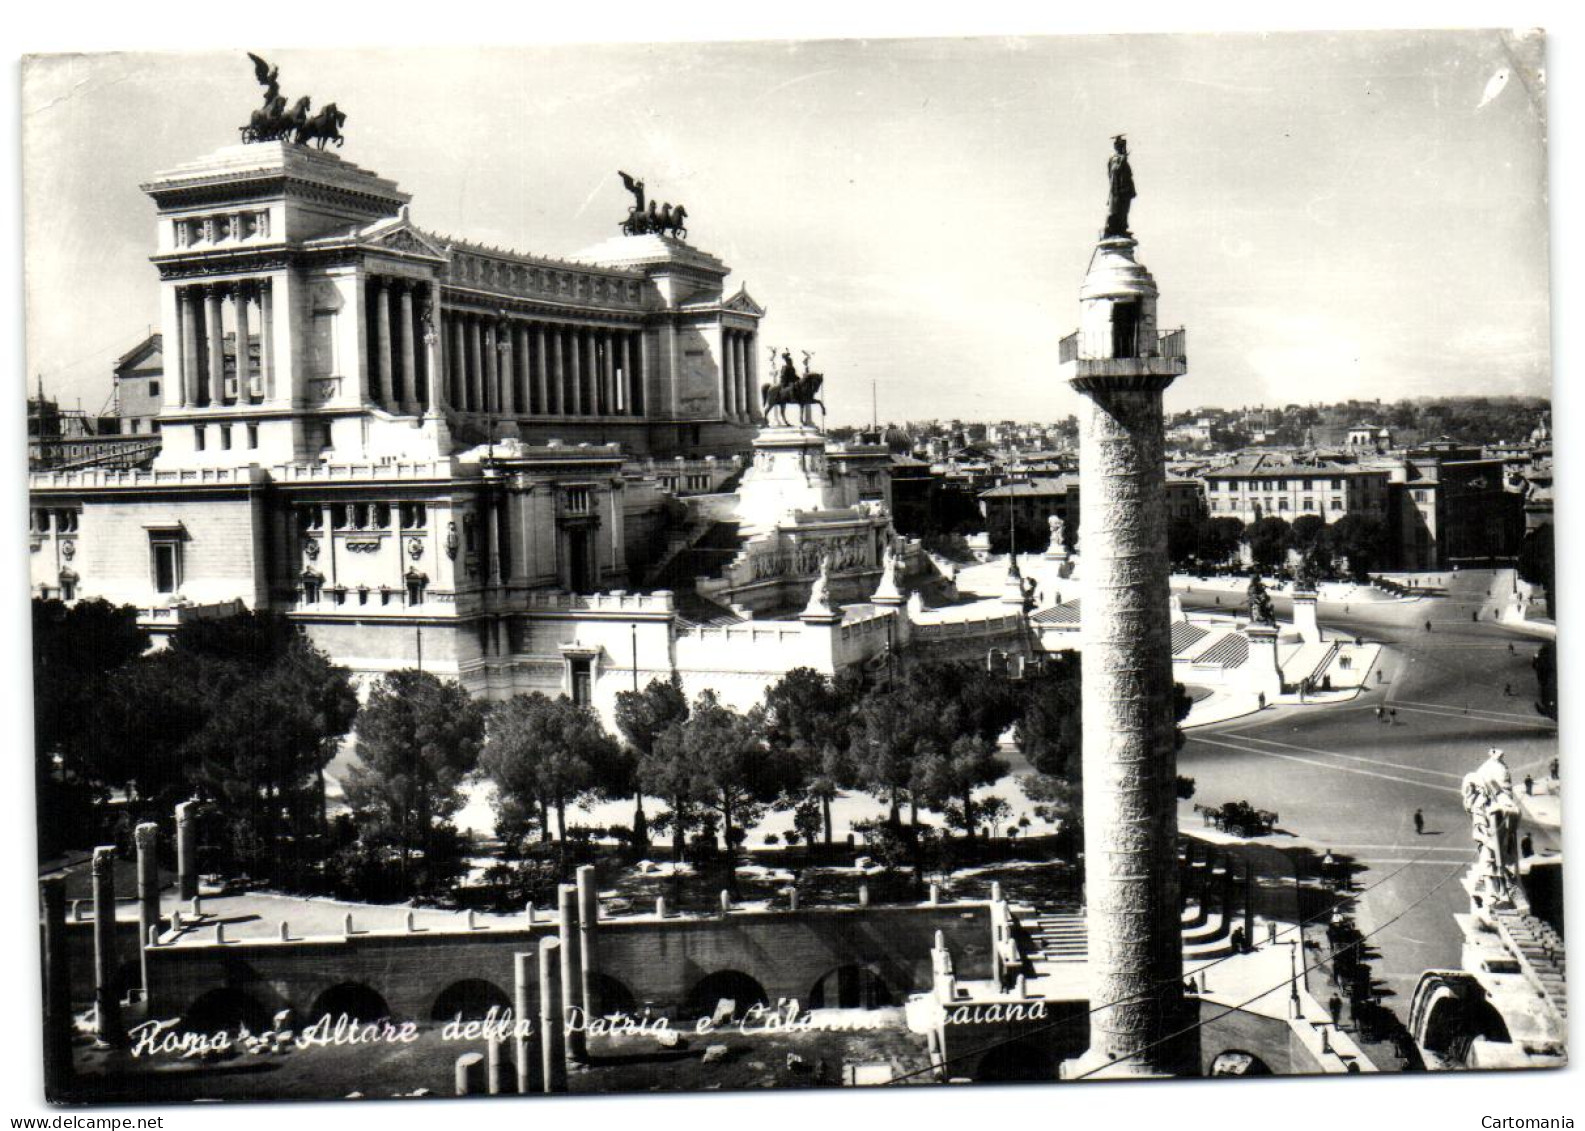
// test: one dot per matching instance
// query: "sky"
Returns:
(1331, 215)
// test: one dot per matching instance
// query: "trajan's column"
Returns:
(1121, 364)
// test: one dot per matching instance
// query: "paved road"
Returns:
(1343, 780)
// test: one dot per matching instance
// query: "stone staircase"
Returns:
(1540, 952)
(1058, 937)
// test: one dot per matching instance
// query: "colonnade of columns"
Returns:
(517, 367)
(203, 312)
(739, 399)
(398, 346)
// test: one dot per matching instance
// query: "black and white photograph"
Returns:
(789, 563)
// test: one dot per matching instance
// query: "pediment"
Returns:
(743, 303)
(400, 236)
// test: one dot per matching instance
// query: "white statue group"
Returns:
(1494, 814)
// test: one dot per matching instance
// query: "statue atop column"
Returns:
(1121, 193)
(1494, 817)
(793, 388)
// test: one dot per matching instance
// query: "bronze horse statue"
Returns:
(323, 127)
(803, 392)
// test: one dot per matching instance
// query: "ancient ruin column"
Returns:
(1130, 805)
(107, 995)
(57, 987)
(526, 1044)
(215, 328)
(382, 339)
(552, 1030)
(573, 1003)
(146, 837)
(241, 296)
(409, 352)
(588, 923)
(187, 842)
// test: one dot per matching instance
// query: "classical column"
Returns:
(57, 988)
(629, 389)
(572, 971)
(192, 366)
(107, 967)
(751, 355)
(187, 837)
(574, 373)
(241, 296)
(727, 391)
(475, 365)
(541, 401)
(409, 352)
(492, 369)
(611, 404)
(745, 400)
(382, 337)
(457, 376)
(146, 838)
(588, 926)
(558, 378)
(267, 337)
(215, 328)
(1137, 1008)
(508, 335)
(433, 356)
(552, 1026)
(640, 374)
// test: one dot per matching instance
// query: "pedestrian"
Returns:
(1529, 786)
(1334, 1006)
(1419, 823)
(1428, 626)
(1475, 616)
(1380, 677)
(1507, 690)
(1381, 713)
(1554, 769)
(1510, 647)
(1392, 716)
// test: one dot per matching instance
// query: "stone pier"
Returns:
(572, 975)
(1121, 365)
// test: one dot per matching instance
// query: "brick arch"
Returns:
(853, 985)
(473, 998)
(743, 989)
(225, 1008)
(359, 1001)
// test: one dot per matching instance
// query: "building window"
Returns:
(414, 516)
(200, 441)
(580, 671)
(311, 589)
(166, 563)
(154, 388)
(360, 516)
(338, 516)
(1309, 505)
(416, 583)
(253, 436)
(66, 522)
(1282, 504)
(225, 438)
(382, 516)
(1337, 504)
(68, 590)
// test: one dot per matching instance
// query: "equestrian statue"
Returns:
(274, 122)
(651, 217)
(793, 388)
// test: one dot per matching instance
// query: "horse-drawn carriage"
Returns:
(1239, 818)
